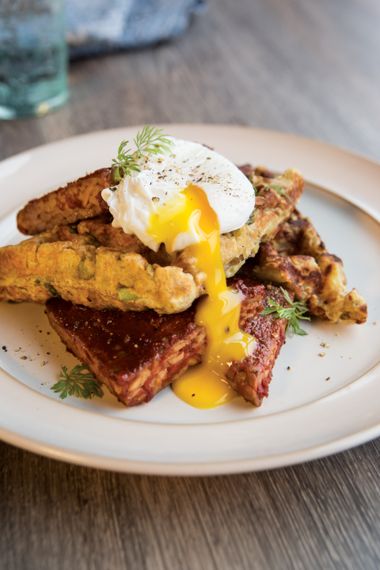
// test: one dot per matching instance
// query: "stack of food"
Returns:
(174, 266)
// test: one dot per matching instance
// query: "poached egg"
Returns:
(160, 181)
(188, 198)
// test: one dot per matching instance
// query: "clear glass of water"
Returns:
(33, 57)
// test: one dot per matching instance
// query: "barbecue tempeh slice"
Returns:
(298, 259)
(138, 354)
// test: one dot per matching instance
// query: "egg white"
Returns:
(162, 177)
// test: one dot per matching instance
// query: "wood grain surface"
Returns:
(311, 68)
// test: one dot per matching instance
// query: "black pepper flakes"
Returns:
(4, 348)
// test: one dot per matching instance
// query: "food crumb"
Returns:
(44, 363)
(192, 395)
(321, 354)
(23, 358)
(324, 345)
(288, 368)
(328, 378)
(4, 348)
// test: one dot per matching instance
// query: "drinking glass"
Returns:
(33, 57)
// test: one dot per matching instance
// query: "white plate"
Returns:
(306, 415)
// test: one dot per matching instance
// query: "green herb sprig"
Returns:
(150, 140)
(78, 382)
(293, 313)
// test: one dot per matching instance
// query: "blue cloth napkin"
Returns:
(101, 26)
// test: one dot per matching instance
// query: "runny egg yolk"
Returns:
(205, 386)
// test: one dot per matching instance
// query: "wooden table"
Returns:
(306, 67)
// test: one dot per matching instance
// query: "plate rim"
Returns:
(210, 468)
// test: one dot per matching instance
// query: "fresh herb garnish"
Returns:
(79, 382)
(150, 140)
(293, 313)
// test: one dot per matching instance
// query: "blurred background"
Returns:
(293, 65)
(310, 67)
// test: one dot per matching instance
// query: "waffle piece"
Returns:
(81, 199)
(77, 200)
(93, 276)
(276, 198)
(298, 259)
(138, 354)
(105, 234)
(126, 276)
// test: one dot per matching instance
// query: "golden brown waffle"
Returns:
(94, 264)
(298, 259)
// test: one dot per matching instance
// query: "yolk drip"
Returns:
(205, 386)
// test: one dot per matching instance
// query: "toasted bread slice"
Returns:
(138, 354)
(298, 259)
